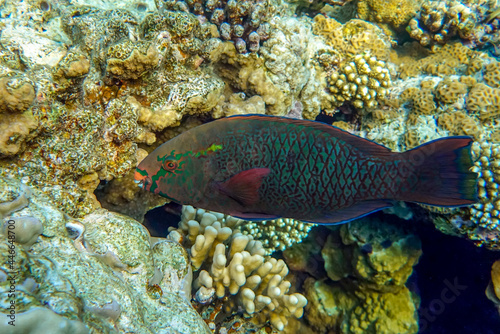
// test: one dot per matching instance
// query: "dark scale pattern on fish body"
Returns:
(312, 173)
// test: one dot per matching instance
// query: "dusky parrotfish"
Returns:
(263, 167)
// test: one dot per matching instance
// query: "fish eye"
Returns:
(169, 165)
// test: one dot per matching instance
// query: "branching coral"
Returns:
(361, 80)
(230, 263)
(278, 234)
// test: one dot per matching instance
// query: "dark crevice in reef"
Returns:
(451, 277)
(158, 220)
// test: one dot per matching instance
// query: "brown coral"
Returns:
(459, 123)
(127, 61)
(438, 21)
(14, 131)
(492, 74)
(392, 15)
(449, 91)
(16, 94)
(352, 38)
(453, 58)
(484, 101)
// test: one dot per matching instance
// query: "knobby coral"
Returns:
(228, 263)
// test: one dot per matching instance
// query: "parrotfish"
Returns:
(259, 167)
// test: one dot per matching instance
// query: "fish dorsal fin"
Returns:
(361, 144)
(353, 212)
(244, 186)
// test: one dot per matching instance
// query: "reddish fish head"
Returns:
(175, 170)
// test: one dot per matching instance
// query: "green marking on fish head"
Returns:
(176, 174)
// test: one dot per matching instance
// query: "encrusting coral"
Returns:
(244, 22)
(228, 263)
(369, 262)
(136, 286)
(393, 16)
(16, 122)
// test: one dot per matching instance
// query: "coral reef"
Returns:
(54, 265)
(94, 102)
(442, 94)
(228, 263)
(369, 262)
(439, 21)
(352, 38)
(244, 22)
(360, 80)
(17, 124)
(392, 16)
(278, 234)
(493, 289)
(88, 89)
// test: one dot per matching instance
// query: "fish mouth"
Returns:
(140, 179)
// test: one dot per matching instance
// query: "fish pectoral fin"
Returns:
(244, 186)
(353, 212)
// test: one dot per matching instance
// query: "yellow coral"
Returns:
(492, 74)
(484, 100)
(423, 102)
(393, 15)
(453, 58)
(459, 123)
(16, 94)
(449, 91)
(353, 38)
(362, 80)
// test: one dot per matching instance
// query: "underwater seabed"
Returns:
(450, 278)
(89, 88)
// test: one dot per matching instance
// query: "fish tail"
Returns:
(443, 173)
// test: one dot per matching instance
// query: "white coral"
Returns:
(228, 262)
